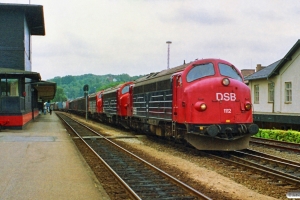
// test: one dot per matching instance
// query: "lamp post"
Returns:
(168, 42)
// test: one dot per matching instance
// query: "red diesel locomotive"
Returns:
(205, 103)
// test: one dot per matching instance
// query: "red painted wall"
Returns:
(17, 120)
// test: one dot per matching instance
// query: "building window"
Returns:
(256, 93)
(288, 92)
(9, 87)
(271, 92)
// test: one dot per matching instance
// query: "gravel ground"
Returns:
(200, 171)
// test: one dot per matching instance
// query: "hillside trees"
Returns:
(59, 95)
(71, 87)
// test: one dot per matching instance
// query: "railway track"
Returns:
(282, 171)
(286, 146)
(140, 179)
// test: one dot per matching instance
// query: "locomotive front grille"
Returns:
(224, 131)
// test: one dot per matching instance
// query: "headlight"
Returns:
(200, 106)
(225, 81)
(248, 106)
(203, 106)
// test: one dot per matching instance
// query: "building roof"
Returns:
(273, 69)
(264, 73)
(34, 15)
(10, 73)
(286, 58)
(46, 90)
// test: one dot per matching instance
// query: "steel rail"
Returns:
(289, 180)
(257, 153)
(131, 192)
(178, 182)
(267, 168)
(173, 179)
(276, 144)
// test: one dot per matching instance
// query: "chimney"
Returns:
(247, 72)
(259, 67)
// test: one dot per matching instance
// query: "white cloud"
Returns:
(119, 36)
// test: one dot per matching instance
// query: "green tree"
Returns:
(73, 85)
(59, 95)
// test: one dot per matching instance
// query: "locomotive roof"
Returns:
(93, 94)
(78, 98)
(113, 89)
(159, 76)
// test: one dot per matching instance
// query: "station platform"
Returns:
(42, 162)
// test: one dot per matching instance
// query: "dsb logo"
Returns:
(225, 96)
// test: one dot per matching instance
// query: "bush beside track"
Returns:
(281, 135)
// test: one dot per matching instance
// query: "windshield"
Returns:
(200, 71)
(125, 89)
(226, 70)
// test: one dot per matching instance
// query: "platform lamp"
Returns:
(168, 42)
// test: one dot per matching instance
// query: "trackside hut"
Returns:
(21, 90)
(275, 93)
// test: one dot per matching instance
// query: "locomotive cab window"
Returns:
(179, 81)
(125, 89)
(200, 71)
(229, 71)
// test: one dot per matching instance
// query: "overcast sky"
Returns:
(129, 36)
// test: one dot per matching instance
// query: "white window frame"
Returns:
(288, 92)
(256, 94)
(271, 92)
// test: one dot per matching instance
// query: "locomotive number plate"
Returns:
(227, 110)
